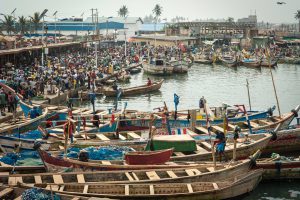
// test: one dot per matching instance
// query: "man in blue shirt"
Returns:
(33, 113)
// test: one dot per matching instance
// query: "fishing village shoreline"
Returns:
(127, 107)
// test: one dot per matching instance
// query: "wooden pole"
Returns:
(234, 150)
(67, 138)
(211, 142)
(269, 60)
(249, 98)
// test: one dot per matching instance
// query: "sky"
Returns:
(266, 10)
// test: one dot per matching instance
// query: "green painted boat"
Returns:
(180, 143)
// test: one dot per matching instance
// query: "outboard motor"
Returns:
(83, 156)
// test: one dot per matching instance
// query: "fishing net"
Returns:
(25, 158)
(103, 153)
(38, 194)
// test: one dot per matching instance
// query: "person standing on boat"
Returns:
(220, 145)
(202, 102)
(149, 82)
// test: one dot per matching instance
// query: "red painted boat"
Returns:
(148, 157)
(57, 164)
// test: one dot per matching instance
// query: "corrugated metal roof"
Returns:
(151, 27)
(129, 20)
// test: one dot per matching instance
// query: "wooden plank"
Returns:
(126, 190)
(106, 162)
(253, 124)
(134, 135)
(102, 137)
(52, 187)
(192, 172)
(38, 179)
(135, 176)
(189, 187)
(129, 176)
(80, 178)
(85, 189)
(210, 169)
(84, 137)
(201, 129)
(61, 147)
(18, 198)
(15, 180)
(151, 189)
(5, 192)
(172, 174)
(265, 122)
(62, 188)
(216, 187)
(231, 126)
(76, 198)
(122, 137)
(57, 178)
(206, 144)
(201, 150)
(179, 153)
(152, 175)
(218, 128)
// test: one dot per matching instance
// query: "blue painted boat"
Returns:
(30, 124)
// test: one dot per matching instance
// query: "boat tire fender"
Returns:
(37, 145)
(274, 135)
(270, 111)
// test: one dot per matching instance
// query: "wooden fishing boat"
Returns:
(288, 140)
(204, 149)
(232, 62)
(223, 189)
(157, 67)
(148, 157)
(23, 125)
(279, 169)
(60, 164)
(135, 70)
(251, 63)
(179, 67)
(203, 61)
(265, 63)
(189, 172)
(143, 89)
(16, 193)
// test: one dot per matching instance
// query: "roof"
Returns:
(151, 27)
(164, 37)
(129, 20)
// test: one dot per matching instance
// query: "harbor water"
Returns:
(219, 84)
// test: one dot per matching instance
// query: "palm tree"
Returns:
(36, 20)
(297, 16)
(22, 24)
(8, 23)
(123, 12)
(157, 12)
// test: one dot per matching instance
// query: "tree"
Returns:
(157, 12)
(22, 24)
(297, 16)
(123, 11)
(36, 20)
(8, 24)
(230, 19)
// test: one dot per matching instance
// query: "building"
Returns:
(163, 40)
(112, 26)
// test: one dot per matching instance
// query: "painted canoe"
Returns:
(192, 172)
(203, 61)
(229, 63)
(158, 69)
(148, 157)
(24, 126)
(265, 63)
(143, 89)
(279, 169)
(223, 189)
(251, 63)
(18, 192)
(179, 67)
(243, 150)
